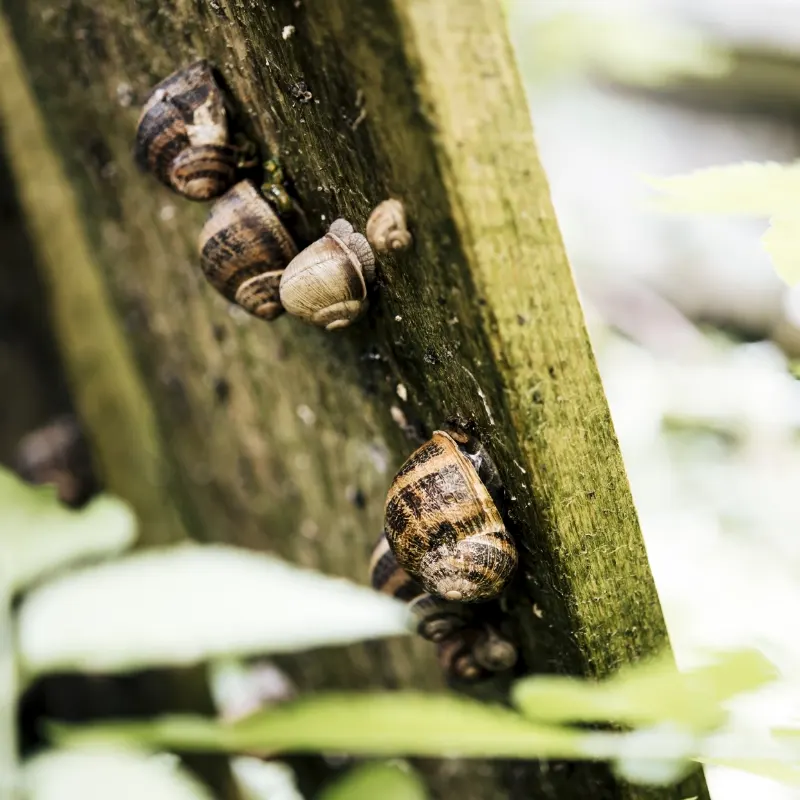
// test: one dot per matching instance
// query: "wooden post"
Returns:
(282, 437)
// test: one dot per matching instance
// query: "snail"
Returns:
(182, 135)
(58, 453)
(387, 229)
(326, 284)
(244, 248)
(443, 525)
(468, 648)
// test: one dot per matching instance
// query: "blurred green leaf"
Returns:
(381, 724)
(782, 243)
(38, 534)
(763, 190)
(628, 48)
(387, 781)
(100, 774)
(647, 693)
(185, 604)
(752, 189)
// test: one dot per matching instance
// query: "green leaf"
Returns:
(387, 781)
(647, 693)
(185, 604)
(627, 48)
(782, 243)
(100, 774)
(38, 534)
(381, 724)
(752, 189)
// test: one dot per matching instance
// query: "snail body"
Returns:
(244, 249)
(387, 229)
(443, 525)
(182, 135)
(326, 284)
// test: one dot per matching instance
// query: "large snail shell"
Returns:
(182, 137)
(444, 528)
(244, 249)
(436, 618)
(326, 284)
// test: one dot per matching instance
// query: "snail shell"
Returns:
(244, 249)
(58, 454)
(387, 228)
(457, 659)
(436, 618)
(326, 284)
(443, 525)
(182, 136)
(475, 653)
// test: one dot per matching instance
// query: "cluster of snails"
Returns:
(445, 548)
(246, 252)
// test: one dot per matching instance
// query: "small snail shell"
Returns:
(387, 228)
(244, 249)
(182, 137)
(493, 651)
(436, 618)
(457, 659)
(58, 453)
(326, 284)
(443, 525)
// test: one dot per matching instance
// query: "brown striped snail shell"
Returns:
(326, 284)
(244, 249)
(387, 228)
(475, 653)
(436, 618)
(182, 135)
(443, 525)
(58, 454)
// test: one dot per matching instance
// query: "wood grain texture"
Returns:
(280, 436)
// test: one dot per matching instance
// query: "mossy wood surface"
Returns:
(282, 437)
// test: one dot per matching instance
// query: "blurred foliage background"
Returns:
(696, 337)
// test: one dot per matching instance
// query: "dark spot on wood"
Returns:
(431, 357)
(220, 334)
(551, 371)
(222, 390)
(522, 319)
(300, 92)
(359, 499)
(538, 397)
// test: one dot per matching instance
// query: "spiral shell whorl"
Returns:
(326, 284)
(387, 228)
